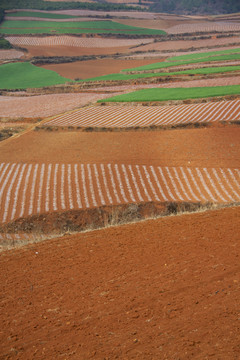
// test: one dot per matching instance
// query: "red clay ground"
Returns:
(93, 68)
(206, 147)
(160, 289)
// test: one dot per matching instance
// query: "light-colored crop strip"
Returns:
(120, 183)
(150, 183)
(142, 183)
(14, 207)
(63, 204)
(237, 195)
(90, 182)
(188, 184)
(219, 182)
(76, 179)
(8, 196)
(55, 187)
(85, 195)
(99, 185)
(128, 183)
(113, 183)
(30, 211)
(213, 185)
(135, 183)
(106, 184)
(205, 185)
(70, 197)
(158, 183)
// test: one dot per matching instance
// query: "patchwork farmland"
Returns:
(122, 116)
(28, 189)
(71, 163)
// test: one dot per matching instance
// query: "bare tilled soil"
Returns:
(92, 68)
(205, 147)
(160, 289)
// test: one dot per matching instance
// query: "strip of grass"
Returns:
(163, 65)
(204, 54)
(25, 75)
(33, 27)
(205, 71)
(174, 94)
(40, 15)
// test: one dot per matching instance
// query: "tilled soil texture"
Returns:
(93, 68)
(44, 105)
(144, 116)
(160, 289)
(10, 54)
(205, 147)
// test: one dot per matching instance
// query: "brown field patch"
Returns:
(92, 68)
(138, 285)
(210, 147)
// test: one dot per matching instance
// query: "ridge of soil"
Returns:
(160, 289)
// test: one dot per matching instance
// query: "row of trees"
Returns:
(196, 6)
(47, 5)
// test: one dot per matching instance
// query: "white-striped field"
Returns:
(127, 116)
(219, 26)
(28, 189)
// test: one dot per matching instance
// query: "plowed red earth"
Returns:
(160, 289)
(93, 68)
(206, 147)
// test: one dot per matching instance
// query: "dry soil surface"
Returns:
(160, 289)
(206, 147)
(93, 68)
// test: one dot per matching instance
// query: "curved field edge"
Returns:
(163, 65)
(25, 75)
(165, 94)
(46, 27)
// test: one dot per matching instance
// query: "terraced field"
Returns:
(10, 54)
(122, 116)
(64, 40)
(28, 189)
(219, 26)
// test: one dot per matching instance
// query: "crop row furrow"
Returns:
(127, 116)
(27, 189)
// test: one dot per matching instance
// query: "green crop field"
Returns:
(25, 75)
(68, 27)
(163, 65)
(158, 94)
(204, 54)
(40, 15)
(204, 71)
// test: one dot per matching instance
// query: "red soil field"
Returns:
(29, 189)
(205, 147)
(92, 68)
(127, 116)
(44, 105)
(159, 289)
